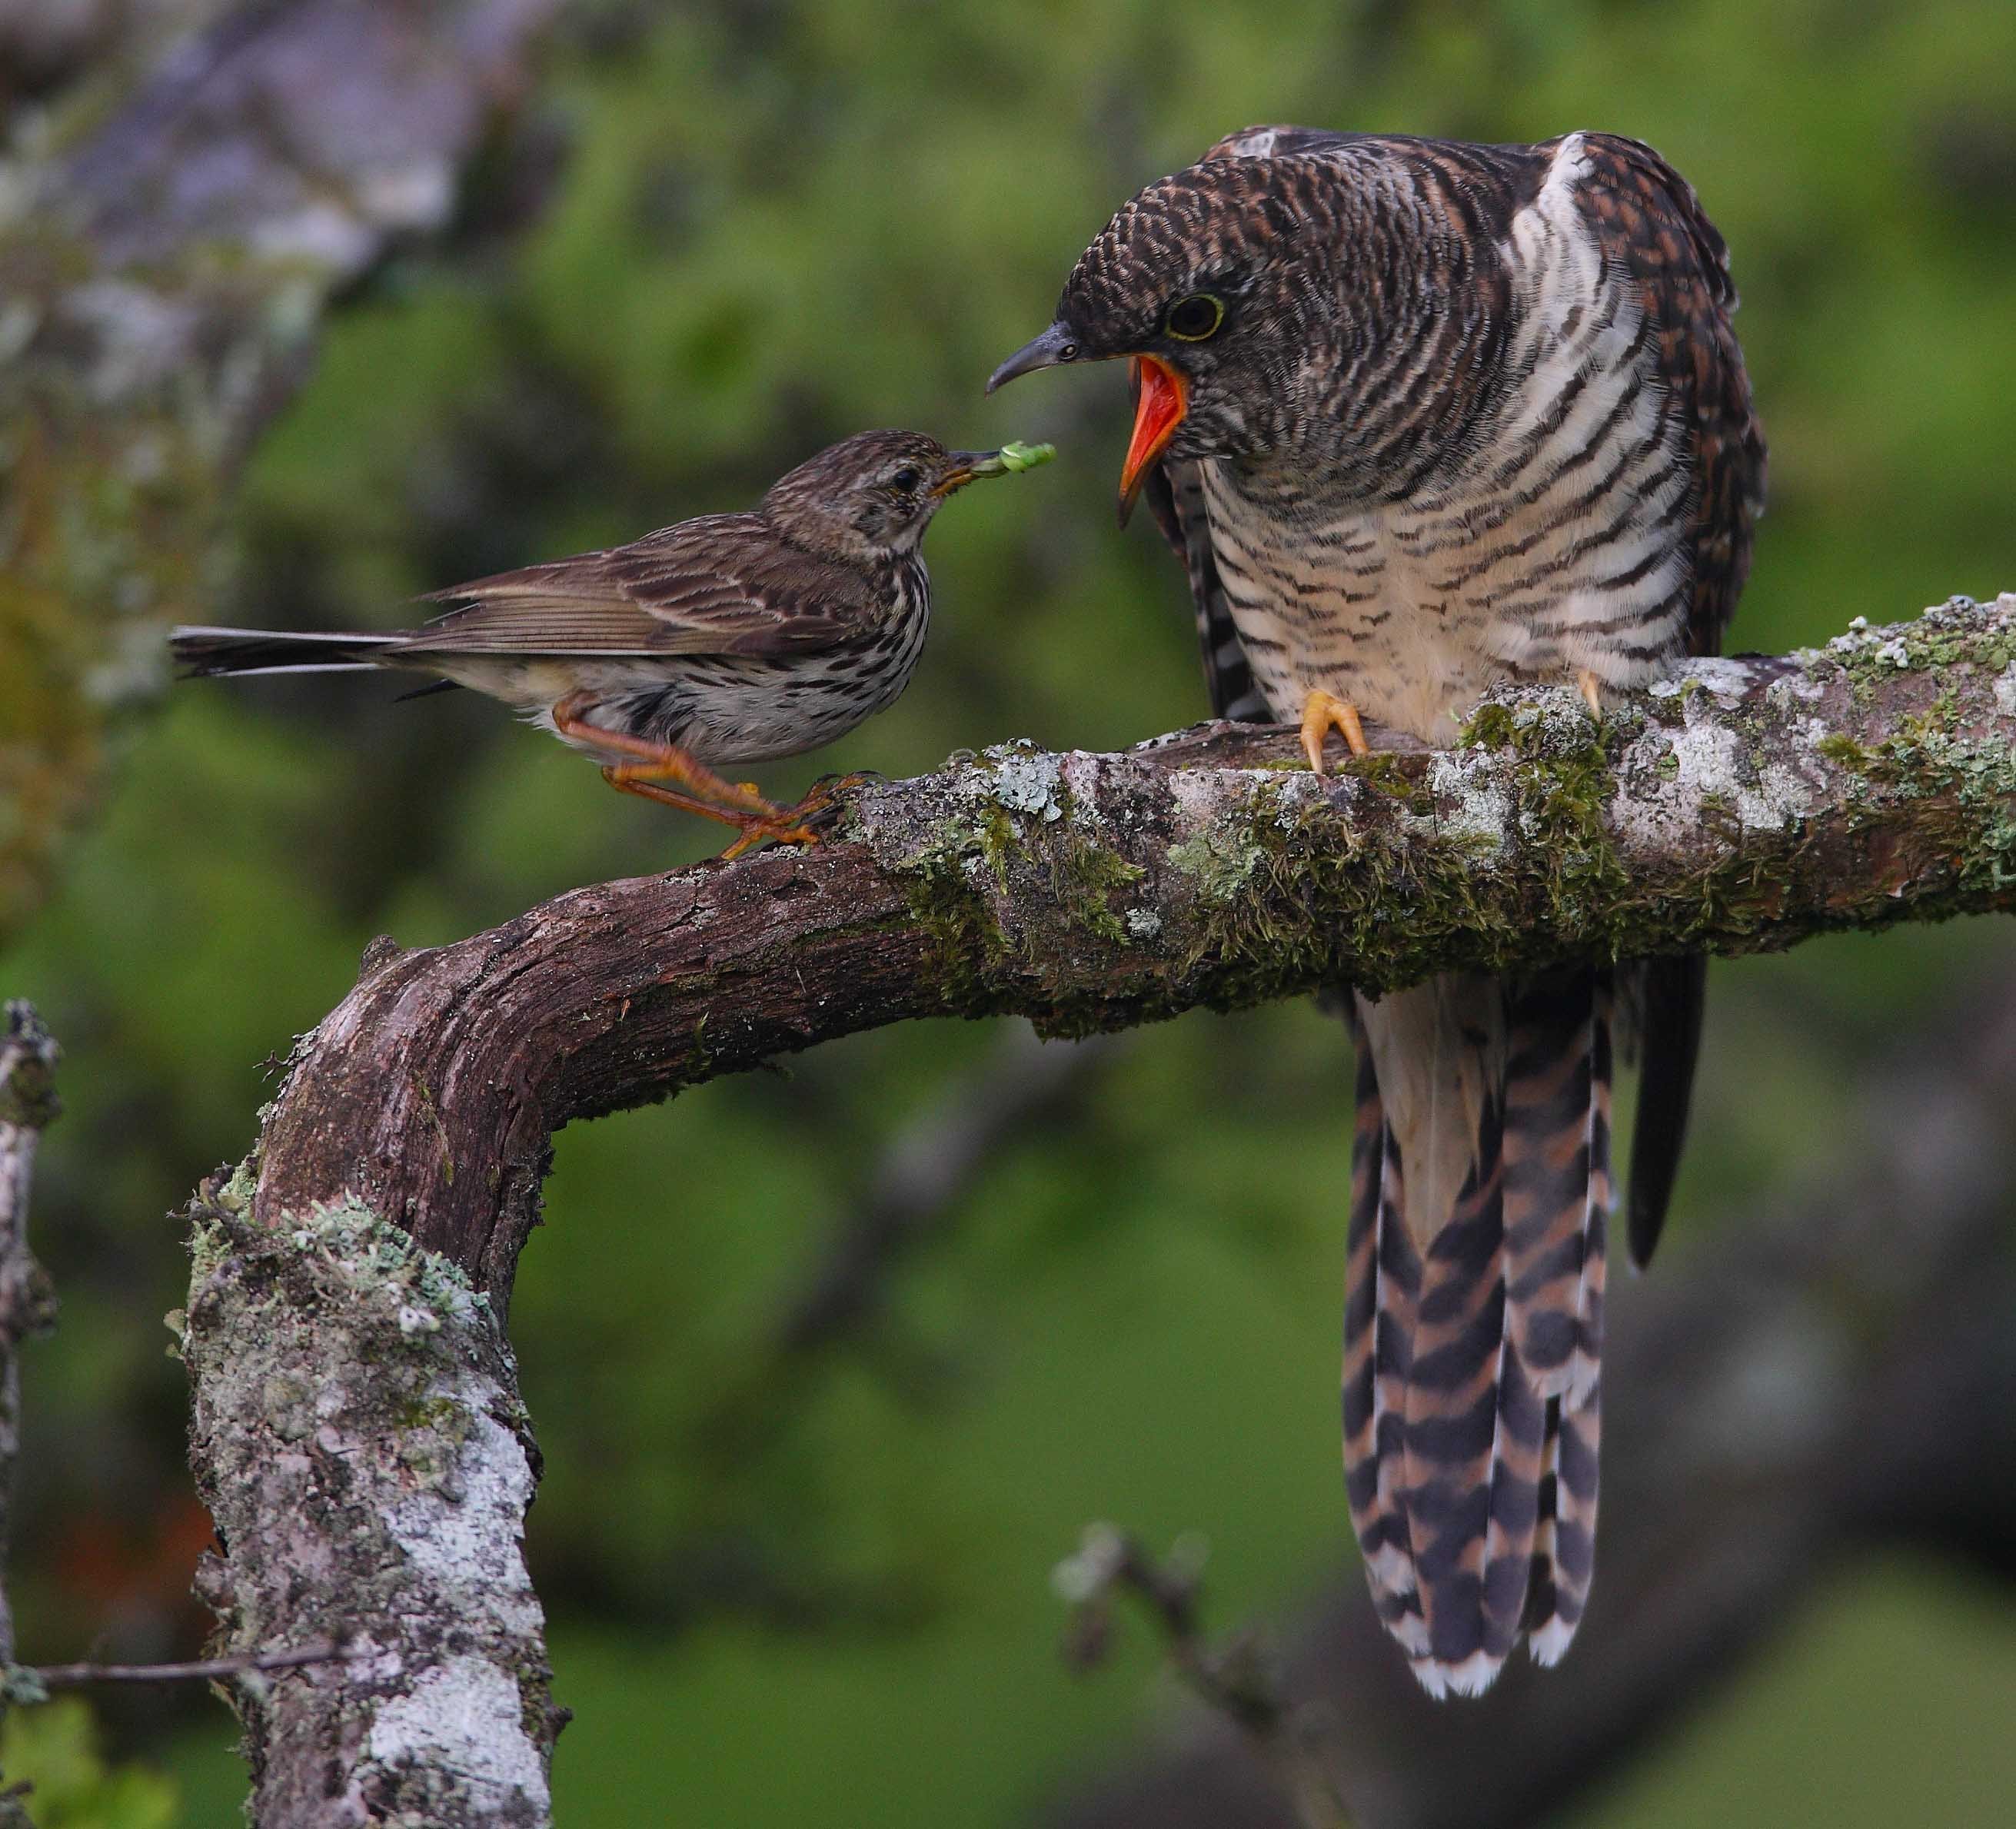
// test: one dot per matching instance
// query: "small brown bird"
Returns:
(726, 640)
(1420, 417)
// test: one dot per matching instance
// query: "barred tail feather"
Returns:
(1557, 1200)
(1383, 1280)
(1565, 1546)
(1472, 1361)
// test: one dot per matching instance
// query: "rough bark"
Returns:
(163, 264)
(1816, 1381)
(359, 1438)
(357, 1411)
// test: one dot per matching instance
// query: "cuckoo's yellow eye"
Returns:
(1192, 319)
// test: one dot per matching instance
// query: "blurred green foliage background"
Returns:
(814, 1588)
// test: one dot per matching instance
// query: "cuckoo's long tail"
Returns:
(205, 652)
(1474, 1330)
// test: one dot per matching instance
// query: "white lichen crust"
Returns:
(358, 1438)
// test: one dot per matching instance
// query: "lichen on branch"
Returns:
(359, 1438)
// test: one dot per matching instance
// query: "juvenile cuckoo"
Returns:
(1420, 417)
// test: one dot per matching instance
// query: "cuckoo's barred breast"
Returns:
(1472, 414)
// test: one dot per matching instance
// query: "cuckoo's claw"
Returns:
(1591, 688)
(1321, 714)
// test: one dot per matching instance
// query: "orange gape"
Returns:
(1161, 398)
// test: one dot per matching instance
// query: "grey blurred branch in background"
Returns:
(1237, 1680)
(922, 1174)
(28, 1057)
(162, 279)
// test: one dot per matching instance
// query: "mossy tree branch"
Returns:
(1741, 805)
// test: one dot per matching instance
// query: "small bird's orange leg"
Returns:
(780, 825)
(1591, 688)
(1320, 714)
(655, 761)
(669, 796)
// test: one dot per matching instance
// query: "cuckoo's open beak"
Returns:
(965, 466)
(1161, 398)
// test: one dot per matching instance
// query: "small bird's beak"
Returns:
(1161, 398)
(965, 466)
(1059, 343)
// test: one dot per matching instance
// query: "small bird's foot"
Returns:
(807, 823)
(783, 827)
(1321, 714)
(1591, 688)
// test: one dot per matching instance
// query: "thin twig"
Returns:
(1237, 1680)
(196, 1670)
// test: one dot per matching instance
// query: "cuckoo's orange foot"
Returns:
(1322, 714)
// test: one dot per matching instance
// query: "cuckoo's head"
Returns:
(1260, 300)
(1208, 282)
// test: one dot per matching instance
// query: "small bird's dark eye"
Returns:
(1192, 319)
(903, 481)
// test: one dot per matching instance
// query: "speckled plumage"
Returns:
(1468, 414)
(730, 638)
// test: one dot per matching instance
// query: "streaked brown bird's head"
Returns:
(1260, 295)
(874, 494)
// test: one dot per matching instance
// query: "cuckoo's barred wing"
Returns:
(1175, 496)
(723, 583)
(1647, 219)
(1664, 1000)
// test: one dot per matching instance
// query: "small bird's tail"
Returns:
(207, 652)
(1472, 1335)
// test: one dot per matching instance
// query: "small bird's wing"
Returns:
(723, 584)
(1647, 220)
